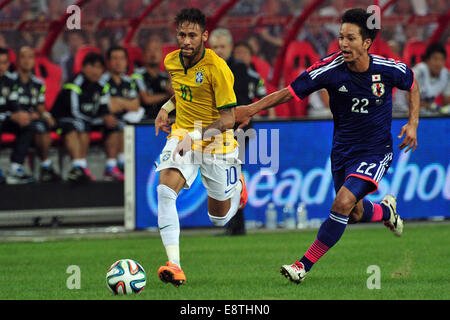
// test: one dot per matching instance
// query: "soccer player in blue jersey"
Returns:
(360, 88)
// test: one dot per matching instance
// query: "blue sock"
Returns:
(367, 211)
(329, 233)
(386, 212)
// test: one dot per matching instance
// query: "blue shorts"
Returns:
(370, 168)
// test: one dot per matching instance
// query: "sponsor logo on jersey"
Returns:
(343, 89)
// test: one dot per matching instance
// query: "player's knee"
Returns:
(343, 205)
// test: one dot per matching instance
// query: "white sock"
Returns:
(168, 222)
(15, 166)
(46, 163)
(173, 253)
(79, 163)
(111, 162)
(235, 200)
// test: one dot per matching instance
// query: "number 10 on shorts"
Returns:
(231, 175)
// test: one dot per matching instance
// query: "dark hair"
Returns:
(4, 51)
(359, 17)
(244, 44)
(92, 58)
(193, 15)
(433, 48)
(115, 48)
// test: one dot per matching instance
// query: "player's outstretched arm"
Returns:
(410, 129)
(225, 122)
(243, 114)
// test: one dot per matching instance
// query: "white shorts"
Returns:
(220, 173)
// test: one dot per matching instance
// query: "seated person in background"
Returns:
(256, 88)
(153, 84)
(80, 108)
(31, 98)
(16, 121)
(123, 104)
(433, 79)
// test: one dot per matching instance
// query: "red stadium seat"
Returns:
(134, 57)
(262, 67)
(96, 136)
(381, 48)
(413, 51)
(81, 53)
(7, 138)
(333, 47)
(52, 75)
(12, 57)
(299, 56)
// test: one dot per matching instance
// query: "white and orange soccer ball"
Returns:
(125, 276)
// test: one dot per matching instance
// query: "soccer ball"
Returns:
(125, 276)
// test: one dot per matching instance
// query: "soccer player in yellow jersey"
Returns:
(201, 138)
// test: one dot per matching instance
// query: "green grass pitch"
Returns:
(415, 266)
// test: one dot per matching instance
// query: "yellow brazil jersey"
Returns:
(201, 90)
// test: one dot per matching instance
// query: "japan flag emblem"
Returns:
(376, 77)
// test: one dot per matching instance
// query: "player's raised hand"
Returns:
(162, 122)
(410, 140)
(183, 146)
(242, 115)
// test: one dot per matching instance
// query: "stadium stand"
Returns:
(413, 51)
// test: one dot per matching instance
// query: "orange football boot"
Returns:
(244, 195)
(172, 273)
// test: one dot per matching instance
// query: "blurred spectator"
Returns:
(55, 9)
(132, 7)
(318, 36)
(272, 36)
(153, 84)
(80, 108)
(16, 121)
(3, 43)
(254, 41)
(75, 40)
(256, 86)
(111, 9)
(433, 78)
(123, 104)
(399, 32)
(103, 40)
(335, 9)
(246, 8)
(31, 98)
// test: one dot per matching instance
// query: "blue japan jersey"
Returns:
(361, 102)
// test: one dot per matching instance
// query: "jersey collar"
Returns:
(188, 67)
